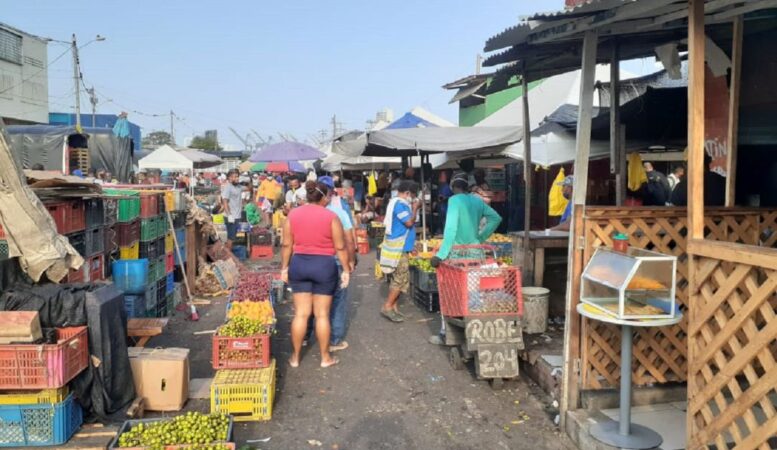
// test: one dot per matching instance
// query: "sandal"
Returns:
(335, 361)
(392, 316)
(293, 365)
(337, 347)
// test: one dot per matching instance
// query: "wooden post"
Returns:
(621, 178)
(570, 386)
(696, 42)
(733, 111)
(527, 177)
(615, 121)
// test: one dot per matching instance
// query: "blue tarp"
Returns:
(410, 120)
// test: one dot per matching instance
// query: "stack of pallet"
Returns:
(36, 407)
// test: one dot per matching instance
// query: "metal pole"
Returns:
(423, 198)
(76, 78)
(172, 128)
(624, 427)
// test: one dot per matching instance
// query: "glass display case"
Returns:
(638, 284)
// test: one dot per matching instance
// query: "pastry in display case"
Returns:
(637, 284)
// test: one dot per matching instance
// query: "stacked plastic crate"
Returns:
(70, 219)
(244, 384)
(175, 205)
(36, 407)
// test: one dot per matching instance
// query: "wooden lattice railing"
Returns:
(732, 335)
(660, 354)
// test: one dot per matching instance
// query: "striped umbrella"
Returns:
(278, 166)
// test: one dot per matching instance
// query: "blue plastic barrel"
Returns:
(130, 275)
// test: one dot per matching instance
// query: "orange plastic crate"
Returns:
(30, 366)
(241, 353)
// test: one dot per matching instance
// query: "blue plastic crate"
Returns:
(135, 305)
(170, 285)
(129, 275)
(39, 424)
(240, 252)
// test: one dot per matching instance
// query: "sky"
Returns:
(273, 66)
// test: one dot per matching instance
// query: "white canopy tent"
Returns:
(169, 158)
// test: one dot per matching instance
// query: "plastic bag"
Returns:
(372, 185)
(636, 172)
(556, 201)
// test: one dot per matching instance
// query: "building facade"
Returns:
(24, 86)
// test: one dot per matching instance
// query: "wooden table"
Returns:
(145, 329)
(538, 242)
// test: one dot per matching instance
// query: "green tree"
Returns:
(207, 143)
(156, 139)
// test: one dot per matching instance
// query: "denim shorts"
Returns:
(316, 274)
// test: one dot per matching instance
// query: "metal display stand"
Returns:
(624, 434)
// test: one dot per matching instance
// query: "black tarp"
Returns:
(106, 386)
(44, 144)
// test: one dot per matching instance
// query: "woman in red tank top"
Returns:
(312, 236)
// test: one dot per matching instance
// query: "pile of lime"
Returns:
(242, 326)
(203, 430)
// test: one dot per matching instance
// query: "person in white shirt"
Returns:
(677, 174)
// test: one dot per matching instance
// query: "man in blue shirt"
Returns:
(338, 314)
(400, 223)
(566, 217)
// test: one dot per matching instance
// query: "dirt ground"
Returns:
(391, 390)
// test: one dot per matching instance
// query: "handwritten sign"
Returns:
(493, 330)
(497, 361)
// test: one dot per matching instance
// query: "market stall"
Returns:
(724, 255)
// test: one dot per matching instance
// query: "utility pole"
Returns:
(478, 63)
(334, 127)
(76, 79)
(93, 101)
(172, 126)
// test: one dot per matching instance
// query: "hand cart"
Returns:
(481, 304)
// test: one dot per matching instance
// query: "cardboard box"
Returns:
(161, 376)
(19, 326)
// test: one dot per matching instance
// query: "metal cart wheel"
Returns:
(497, 384)
(457, 362)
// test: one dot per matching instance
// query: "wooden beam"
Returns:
(570, 383)
(621, 177)
(527, 176)
(733, 111)
(732, 252)
(696, 42)
(615, 115)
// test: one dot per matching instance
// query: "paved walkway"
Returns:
(391, 390)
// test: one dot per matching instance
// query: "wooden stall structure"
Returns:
(724, 348)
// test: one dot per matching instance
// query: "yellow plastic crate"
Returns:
(169, 243)
(34, 397)
(169, 201)
(247, 394)
(218, 219)
(131, 252)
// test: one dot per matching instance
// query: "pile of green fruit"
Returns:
(203, 430)
(423, 264)
(241, 326)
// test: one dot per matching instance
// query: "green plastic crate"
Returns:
(162, 226)
(152, 270)
(148, 229)
(160, 268)
(128, 208)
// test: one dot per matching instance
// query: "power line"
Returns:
(36, 73)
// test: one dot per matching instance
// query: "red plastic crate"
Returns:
(30, 366)
(76, 275)
(241, 353)
(69, 216)
(470, 285)
(169, 262)
(128, 233)
(149, 205)
(261, 251)
(95, 266)
(363, 247)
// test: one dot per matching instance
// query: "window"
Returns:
(10, 47)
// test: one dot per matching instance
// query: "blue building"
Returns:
(100, 121)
